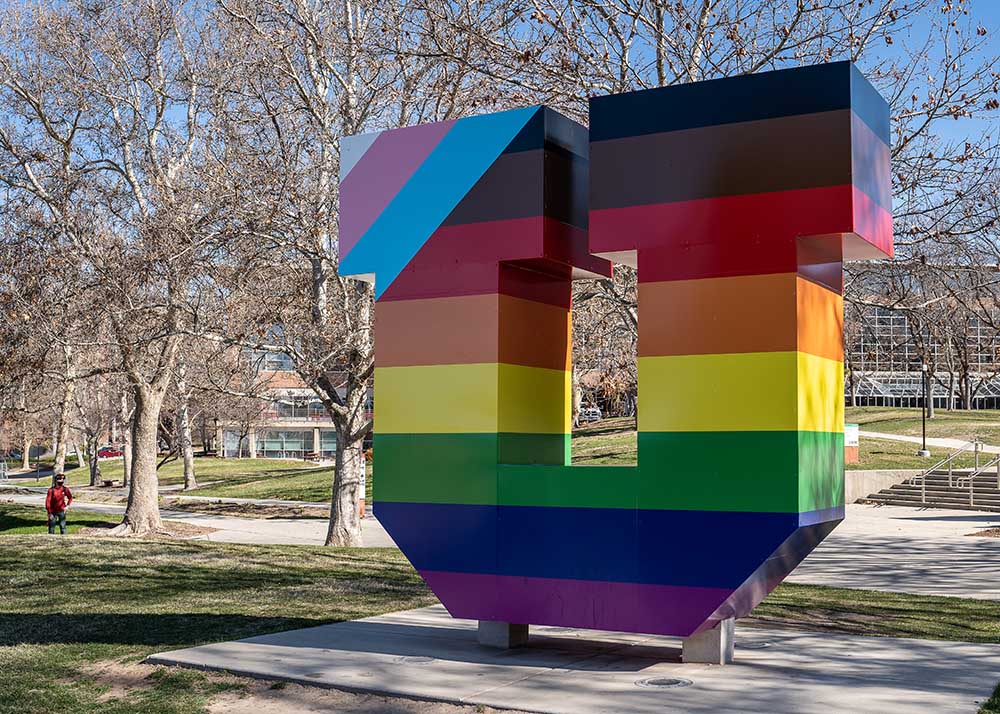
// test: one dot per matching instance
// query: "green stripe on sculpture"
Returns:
(773, 472)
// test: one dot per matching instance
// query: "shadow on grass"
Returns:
(604, 429)
(178, 629)
(13, 524)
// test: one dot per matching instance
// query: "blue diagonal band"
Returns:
(450, 172)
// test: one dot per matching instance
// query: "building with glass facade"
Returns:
(294, 424)
(886, 351)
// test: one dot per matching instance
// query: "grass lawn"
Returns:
(206, 469)
(887, 454)
(609, 441)
(72, 607)
(965, 425)
(23, 520)
(992, 705)
(70, 604)
(284, 480)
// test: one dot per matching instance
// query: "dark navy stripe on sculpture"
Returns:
(869, 105)
(550, 130)
(526, 184)
(800, 90)
(613, 545)
(803, 90)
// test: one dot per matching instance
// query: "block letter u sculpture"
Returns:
(737, 200)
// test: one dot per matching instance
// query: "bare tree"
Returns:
(313, 72)
(109, 146)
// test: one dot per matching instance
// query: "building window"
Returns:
(277, 362)
(234, 445)
(327, 444)
(285, 444)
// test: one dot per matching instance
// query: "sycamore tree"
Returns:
(104, 137)
(309, 73)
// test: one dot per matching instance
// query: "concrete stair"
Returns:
(985, 497)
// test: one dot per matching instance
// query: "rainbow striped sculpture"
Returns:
(738, 200)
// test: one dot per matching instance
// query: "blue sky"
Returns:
(986, 13)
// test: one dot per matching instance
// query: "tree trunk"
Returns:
(577, 396)
(127, 458)
(62, 430)
(184, 429)
(348, 475)
(142, 514)
(126, 442)
(95, 466)
(25, 451)
(186, 445)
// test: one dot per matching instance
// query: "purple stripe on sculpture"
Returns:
(373, 183)
(592, 605)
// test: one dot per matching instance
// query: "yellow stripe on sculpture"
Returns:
(821, 394)
(753, 391)
(471, 399)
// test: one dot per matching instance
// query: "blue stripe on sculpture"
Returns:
(445, 177)
(601, 544)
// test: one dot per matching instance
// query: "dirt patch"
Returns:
(120, 678)
(263, 697)
(18, 491)
(988, 533)
(172, 530)
(245, 510)
(819, 620)
(284, 698)
(94, 496)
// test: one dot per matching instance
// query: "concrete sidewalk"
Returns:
(911, 550)
(425, 654)
(938, 442)
(229, 529)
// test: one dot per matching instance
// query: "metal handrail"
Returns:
(946, 460)
(971, 478)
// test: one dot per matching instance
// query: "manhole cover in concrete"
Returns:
(664, 682)
(415, 660)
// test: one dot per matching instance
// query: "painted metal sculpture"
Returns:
(738, 201)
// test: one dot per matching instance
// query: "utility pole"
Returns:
(923, 412)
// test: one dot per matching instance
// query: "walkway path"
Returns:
(229, 529)
(898, 549)
(939, 442)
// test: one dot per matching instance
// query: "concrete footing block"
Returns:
(713, 646)
(502, 634)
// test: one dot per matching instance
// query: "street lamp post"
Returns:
(923, 412)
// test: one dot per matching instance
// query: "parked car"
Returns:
(111, 451)
(588, 414)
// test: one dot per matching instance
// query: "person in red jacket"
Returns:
(57, 500)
